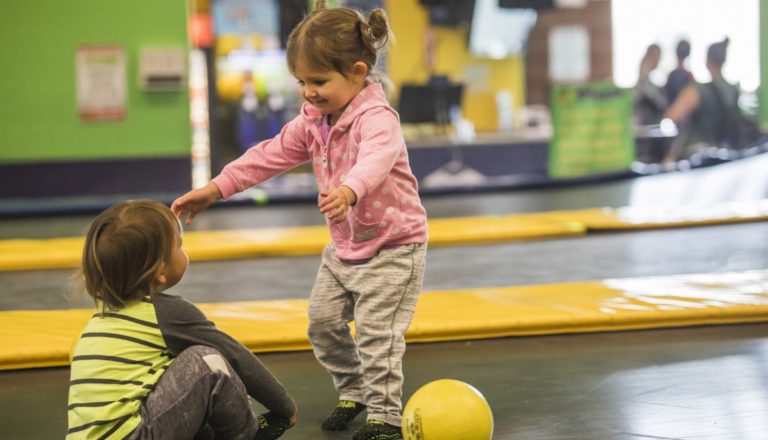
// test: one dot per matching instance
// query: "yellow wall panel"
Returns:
(410, 22)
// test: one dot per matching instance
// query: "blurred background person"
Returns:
(650, 100)
(699, 110)
(681, 75)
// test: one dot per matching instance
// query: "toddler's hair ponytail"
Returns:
(337, 38)
(375, 32)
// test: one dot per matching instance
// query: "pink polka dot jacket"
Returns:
(365, 151)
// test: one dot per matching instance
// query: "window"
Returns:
(637, 24)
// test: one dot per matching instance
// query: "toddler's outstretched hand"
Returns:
(335, 202)
(195, 201)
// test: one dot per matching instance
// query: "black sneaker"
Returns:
(271, 426)
(376, 430)
(342, 416)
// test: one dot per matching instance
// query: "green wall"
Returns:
(38, 115)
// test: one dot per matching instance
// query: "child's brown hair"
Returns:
(337, 38)
(125, 248)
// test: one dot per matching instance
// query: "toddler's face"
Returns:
(328, 90)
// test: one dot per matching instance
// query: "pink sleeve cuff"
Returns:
(357, 185)
(226, 186)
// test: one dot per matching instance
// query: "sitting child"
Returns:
(149, 364)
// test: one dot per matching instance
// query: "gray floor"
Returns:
(693, 383)
(705, 383)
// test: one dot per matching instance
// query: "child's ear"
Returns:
(160, 278)
(360, 70)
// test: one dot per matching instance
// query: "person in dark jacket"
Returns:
(680, 76)
(700, 108)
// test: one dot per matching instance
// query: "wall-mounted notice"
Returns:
(101, 83)
(162, 68)
(569, 58)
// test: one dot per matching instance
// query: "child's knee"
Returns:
(198, 351)
(316, 314)
(315, 329)
(321, 329)
(207, 356)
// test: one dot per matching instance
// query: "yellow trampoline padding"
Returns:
(43, 338)
(27, 254)
(59, 253)
(606, 219)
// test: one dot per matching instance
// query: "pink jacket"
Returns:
(366, 152)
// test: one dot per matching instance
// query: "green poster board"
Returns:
(592, 130)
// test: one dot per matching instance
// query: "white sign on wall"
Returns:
(101, 83)
(162, 68)
(569, 58)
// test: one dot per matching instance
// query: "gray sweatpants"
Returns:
(380, 297)
(199, 397)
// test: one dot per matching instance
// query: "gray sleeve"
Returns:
(183, 325)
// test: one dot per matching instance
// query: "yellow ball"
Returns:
(447, 409)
